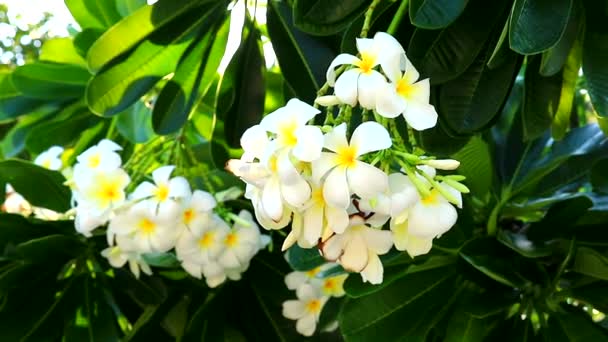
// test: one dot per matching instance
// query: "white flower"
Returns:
(241, 243)
(197, 211)
(401, 195)
(14, 203)
(202, 246)
(334, 286)
(87, 219)
(295, 279)
(345, 173)
(254, 194)
(289, 124)
(306, 309)
(51, 158)
(406, 96)
(165, 190)
(118, 257)
(362, 83)
(101, 191)
(357, 249)
(101, 157)
(149, 231)
(307, 227)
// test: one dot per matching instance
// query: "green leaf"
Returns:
(414, 299)
(135, 123)
(304, 259)
(435, 14)
(165, 260)
(61, 50)
(470, 102)
(14, 142)
(476, 163)
(579, 327)
(324, 18)
(590, 262)
(85, 39)
(128, 7)
(249, 86)
(12, 102)
(463, 327)
(443, 55)
(50, 81)
(598, 176)
(568, 210)
(595, 68)
(133, 29)
(502, 52)
(55, 246)
(541, 99)
(92, 13)
(193, 77)
(537, 25)
(41, 187)
(594, 294)
(553, 60)
(521, 244)
(303, 59)
(125, 81)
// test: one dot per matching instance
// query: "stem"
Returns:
(397, 18)
(367, 23)
(111, 129)
(492, 225)
(564, 264)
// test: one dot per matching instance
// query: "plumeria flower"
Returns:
(357, 249)
(197, 211)
(197, 248)
(406, 95)
(101, 191)
(51, 158)
(295, 279)
(215, 274)
(345, 173)
(334, 286)
(307, 227)
(164, 191)
(149, 231)
(362, 83)
(122, 253)
(306, 309)
(402, 195)
(241, 243)
(88, 219)
(427, 219)
(101, 157)
(254, 194)
(293, 135)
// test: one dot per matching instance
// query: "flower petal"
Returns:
(143, 190)
(335, 189)
(366, 181)
(306, 325)
(337, 219)
(334, 247)
(341, 59)
(370, 136)
(313, 224)
(179, 188)
(429, 221)
(388, 103)
(355, 256)
(420, 116)
(254, 142)
(321, 166)
(336, 138)
(369, 86)
(373, 272)
(310, 143)
(293, 309)
(293, 280)
(272, 203)
(379, 241)
(296, 193)
(346, 87)
(162, 174)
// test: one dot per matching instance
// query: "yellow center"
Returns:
(231, 239)
(147, 226)
(312, 273)
(94, 161)
(46, 164)
(347, 156)
(206, 240)
(108, 191)
(162, 193)
(317, 196)
(431, 199)
(188, 215)
(287, 133)
(404, 89)
(367, 63)
(313, 306)
(329, 284)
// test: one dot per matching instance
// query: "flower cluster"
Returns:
(339, 190)
(157, 216)
(312, 291)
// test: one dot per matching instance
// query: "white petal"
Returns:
(293, 280)
(334, 247)
(368, 89)
(355, 256)
(272, 203)
(109, 145)
(162, 174)
(254, 141)
(420, 92)
(366, 181)
(429, 221)
(388, 103)
(202, 201)
(335, 189)
(420, 116)
(346, 87)
(293, 309)
(306, 325)
(337, 219)
(336, 138)
(321, 166)
(296, 193)
(391, 65)
(455, 193)
(370, 136)
(313, 224)
(387, 44)
(310, 143)
(343, 58)
(327, 100)
(411, 75)
(373, 272)
(143, 190)
(379, 241)
(366, 45)
(303, 111)
(179, 188)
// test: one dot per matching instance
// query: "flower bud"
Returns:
(328, 100)
(443, 164)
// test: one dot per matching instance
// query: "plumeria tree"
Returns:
(351, 170)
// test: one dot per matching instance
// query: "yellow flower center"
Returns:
(367, 63)
(287, 133)
(231, 240)
(313, 306)
(146, 226)
(329, 285)
(188, 215)
(347, 156)
(162, 193)
(46, 164)
(108, 191)
(312, 273)
(94, 161)
(206, 240)
(431, 199)
(403, 88)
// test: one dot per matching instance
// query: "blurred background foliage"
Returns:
(521, 88)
